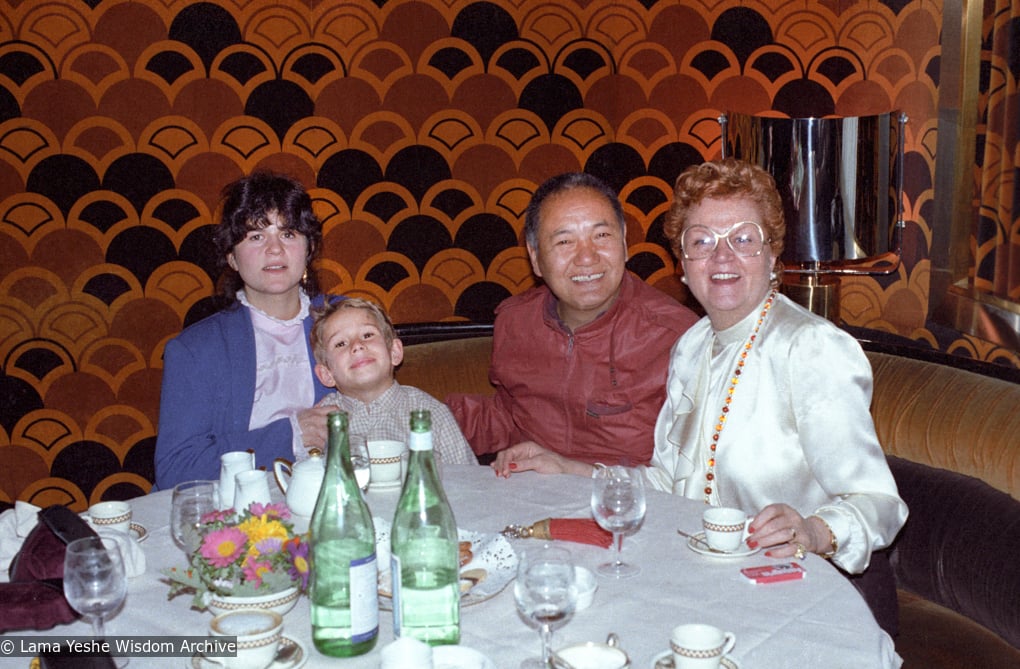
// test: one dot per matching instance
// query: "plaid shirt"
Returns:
(388, 417)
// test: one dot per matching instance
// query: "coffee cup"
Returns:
(387, 463)
(231, 463)
(725, 528)
(593, 655)
(111, 515)
(258, 633)
(698, 646)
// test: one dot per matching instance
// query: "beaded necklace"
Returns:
(710, 474)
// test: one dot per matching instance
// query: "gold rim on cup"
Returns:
(123, 518)
(696, 654)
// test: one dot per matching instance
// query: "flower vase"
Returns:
(281, 602)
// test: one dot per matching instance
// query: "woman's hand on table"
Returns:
(529, 456)
(313, 426)
(784, 532)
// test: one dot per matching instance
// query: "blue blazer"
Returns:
(207, 396)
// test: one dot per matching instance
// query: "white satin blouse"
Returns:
(798, 431)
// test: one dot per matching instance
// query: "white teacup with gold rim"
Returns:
(725, 528)
(699, 646)
(111, 515)
(258, 633)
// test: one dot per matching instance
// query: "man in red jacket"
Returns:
(579, 363)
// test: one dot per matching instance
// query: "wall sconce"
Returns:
(841, 181)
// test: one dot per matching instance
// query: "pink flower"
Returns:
(253, 571)
(216, 516)
(272, 510)
(222, 547)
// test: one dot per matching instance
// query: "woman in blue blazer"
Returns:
(243, 378)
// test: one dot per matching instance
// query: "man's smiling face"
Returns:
(581, 253)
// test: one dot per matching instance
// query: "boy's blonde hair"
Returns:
(382, 320)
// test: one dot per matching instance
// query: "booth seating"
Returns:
(952, 435)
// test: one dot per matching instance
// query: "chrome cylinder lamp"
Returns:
(841, 182)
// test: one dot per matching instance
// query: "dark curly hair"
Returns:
(246, 206)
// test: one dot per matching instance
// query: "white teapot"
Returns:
(300, 484)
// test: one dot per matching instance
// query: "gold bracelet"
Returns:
(833, 542)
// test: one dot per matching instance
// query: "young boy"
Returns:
(356, 351)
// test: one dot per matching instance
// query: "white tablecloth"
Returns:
(817, 622)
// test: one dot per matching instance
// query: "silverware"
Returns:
(698, 540)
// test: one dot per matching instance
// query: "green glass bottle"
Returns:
(425, 558)
(343, 584)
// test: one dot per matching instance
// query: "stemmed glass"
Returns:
(546, 595)
(618, 504)
(191, 501)
(360, 460)
(95, 583)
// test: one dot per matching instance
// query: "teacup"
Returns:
(387, 463)
(111, 515)
(258, 633)
(698, 646)
(593, 655)
(725, 528)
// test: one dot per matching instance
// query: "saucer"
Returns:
(664, 660)
(139, 532)
(698, 544)
(296, 660)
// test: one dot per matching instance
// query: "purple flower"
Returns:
(299, 561)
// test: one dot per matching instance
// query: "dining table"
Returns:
(817, 621)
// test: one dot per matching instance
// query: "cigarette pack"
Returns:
(773, 573)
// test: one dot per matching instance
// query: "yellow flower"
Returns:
(262, 527)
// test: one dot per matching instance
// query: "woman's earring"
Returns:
(304, 277)
(774, 276)
(683, 279)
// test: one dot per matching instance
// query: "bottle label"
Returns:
(364, 599)
(420, 441)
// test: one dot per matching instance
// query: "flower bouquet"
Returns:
(252, 553)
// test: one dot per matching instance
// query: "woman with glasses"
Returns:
(767, 403)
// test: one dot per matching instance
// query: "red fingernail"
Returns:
(750, 530)
(768, 553)
(513, 465)
(752, 544)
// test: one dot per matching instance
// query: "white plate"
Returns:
(296, 660)
(657, 661)
(458, 657)
(491, 553)
(139, 532)
(698, 544)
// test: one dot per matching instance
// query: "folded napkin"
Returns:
(134, 556)
(578, 530)
(15, 525)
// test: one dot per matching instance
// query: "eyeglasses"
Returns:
(745, 239)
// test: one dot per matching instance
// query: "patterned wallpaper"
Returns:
(420, 128)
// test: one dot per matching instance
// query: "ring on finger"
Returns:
(801, 552)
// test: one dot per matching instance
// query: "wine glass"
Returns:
(546, 594)
(95, 583)
(360, 460)
(192, 500)
(618, 504)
